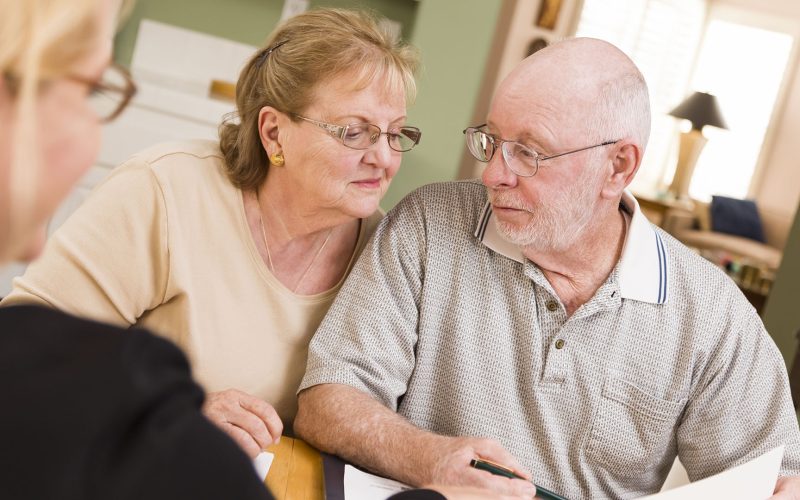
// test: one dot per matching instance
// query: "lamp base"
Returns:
(692, 143)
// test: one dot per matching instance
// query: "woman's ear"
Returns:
(627, 156)
(268, 126)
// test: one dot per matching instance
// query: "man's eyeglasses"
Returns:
(364, 135)
(519, 158)
(109, 95)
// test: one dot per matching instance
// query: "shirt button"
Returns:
(551, 305)
(559, 344)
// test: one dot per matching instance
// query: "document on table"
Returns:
(359, 485)
(262, 462)
(754, 480)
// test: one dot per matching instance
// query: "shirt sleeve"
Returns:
(165, 447)
(368, 338)
(741, 406)
(109, 261)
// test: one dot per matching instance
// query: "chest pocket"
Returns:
(632, 430)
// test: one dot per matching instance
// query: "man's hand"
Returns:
(251, 422)
(787, 488)
(347, 422)
(451, 458)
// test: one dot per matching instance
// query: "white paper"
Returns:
(360, 485)
(754, 480)
(262, 462)
(677, 476)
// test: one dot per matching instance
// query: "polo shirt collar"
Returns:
(642, 269)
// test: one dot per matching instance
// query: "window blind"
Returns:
(661, 37)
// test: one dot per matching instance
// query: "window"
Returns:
(743, 65)
(739, 55)
(661, 36)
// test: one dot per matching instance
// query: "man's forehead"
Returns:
(537, 115)
(567, 70)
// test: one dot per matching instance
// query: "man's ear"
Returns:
(268, 125)
(625, 161)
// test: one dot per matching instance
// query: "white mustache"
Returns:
(508, 202)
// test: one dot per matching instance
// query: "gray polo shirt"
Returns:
(453, 328)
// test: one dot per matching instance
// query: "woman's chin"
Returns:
(362, 205)
(366, 208)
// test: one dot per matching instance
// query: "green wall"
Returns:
(454, 44)
(453, 38)
(782, 313)
(246, 21)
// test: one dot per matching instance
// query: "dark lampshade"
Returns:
(701, 109)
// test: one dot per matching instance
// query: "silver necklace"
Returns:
(269, 255)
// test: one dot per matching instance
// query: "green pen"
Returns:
(501, 470)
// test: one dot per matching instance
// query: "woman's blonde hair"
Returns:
(39, 40)
(302, 53)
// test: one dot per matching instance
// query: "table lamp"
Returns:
(701, 109)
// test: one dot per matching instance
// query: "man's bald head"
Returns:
(589, 83)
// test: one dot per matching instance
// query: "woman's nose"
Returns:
(380, 154)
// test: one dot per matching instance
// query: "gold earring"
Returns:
(277, 159)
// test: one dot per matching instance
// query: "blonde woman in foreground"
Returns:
(89, 411)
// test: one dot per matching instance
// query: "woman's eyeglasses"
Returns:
(111, 93)
(364, 135)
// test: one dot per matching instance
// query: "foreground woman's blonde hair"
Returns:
(40, 40)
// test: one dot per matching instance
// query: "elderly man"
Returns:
(552, 329)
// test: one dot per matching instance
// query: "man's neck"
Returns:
(577, 272)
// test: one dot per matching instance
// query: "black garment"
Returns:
(418, 495)
(91, 411)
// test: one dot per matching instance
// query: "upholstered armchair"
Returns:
(694, 229)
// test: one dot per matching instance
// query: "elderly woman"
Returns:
(235, 250)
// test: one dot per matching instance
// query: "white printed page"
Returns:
(360, 485)
(754, 480)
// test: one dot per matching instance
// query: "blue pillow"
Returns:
(737, 217)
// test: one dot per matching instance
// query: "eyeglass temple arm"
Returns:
(576, 150)
(334, 130)
(475, 128)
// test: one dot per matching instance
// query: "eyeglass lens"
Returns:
(364, 135)
(480, 145)
(111, 94)
(520, 159)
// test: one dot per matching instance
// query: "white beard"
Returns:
(553, 227)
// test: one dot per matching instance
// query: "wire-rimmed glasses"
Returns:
(519, 158)
(364, 135)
